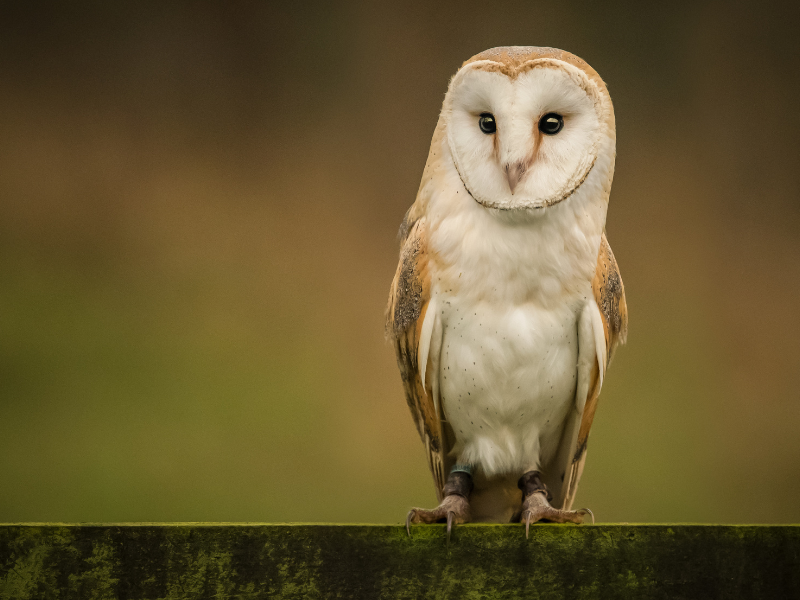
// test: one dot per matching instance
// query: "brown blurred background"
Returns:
(198, 210)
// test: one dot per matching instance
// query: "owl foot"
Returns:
(536, 505)
(454, 509)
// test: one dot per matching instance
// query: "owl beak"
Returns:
(514, 173)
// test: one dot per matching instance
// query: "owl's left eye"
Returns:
(551, 123)
(487, 123)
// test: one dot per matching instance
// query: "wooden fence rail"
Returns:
(249, 561)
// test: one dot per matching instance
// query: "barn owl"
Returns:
(507, 303)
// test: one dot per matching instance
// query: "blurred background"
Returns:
(198, 216)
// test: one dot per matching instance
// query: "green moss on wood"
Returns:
(150, 561)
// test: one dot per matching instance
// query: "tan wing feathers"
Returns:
(609, 295)
(409, 299)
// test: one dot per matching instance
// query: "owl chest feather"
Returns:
(507, 379)
(507, 300)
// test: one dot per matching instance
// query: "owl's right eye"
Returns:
(487, 123)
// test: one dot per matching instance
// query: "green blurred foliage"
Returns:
(198, 208)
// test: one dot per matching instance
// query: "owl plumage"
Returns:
(507, 303)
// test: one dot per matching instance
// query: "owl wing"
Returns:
(605, 320)
(412, 324)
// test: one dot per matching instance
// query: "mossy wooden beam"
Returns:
(248, 561)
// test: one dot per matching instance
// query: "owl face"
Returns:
(524, 137)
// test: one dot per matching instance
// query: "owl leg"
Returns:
(536, 504)
(454, 508)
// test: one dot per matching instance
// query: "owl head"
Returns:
(526, 125)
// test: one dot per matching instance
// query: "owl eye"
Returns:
(487, 123)
(551, 123)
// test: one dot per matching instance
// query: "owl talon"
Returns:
(586, 511)
(536, 504)
(453, 510)
(527, 523)
(450, 517)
